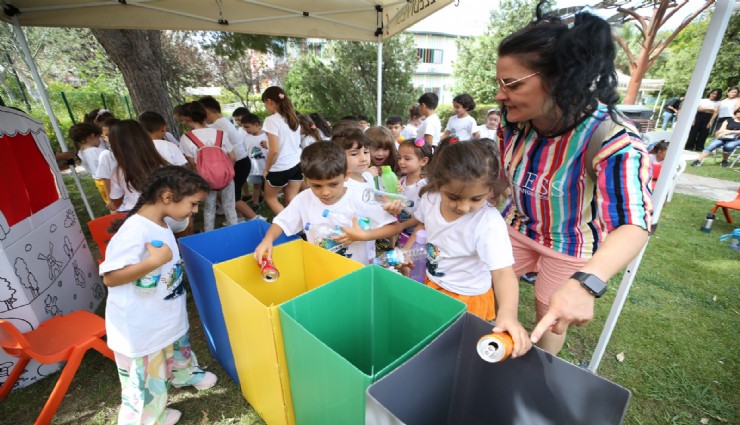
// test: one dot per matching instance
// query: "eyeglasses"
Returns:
(503, 85)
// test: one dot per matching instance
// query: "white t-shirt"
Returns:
(432, 126)
(256, 152)
(207, 136)
(227, 127)
(289, 142)
(307, 140)
(170, 152)
(307, 208)
(136, 324)
(708, 104)
(461, 254)
(727, 108)
(119, 189)
(412, 192)
(409, 131)
(171, 138)
(90, 158)
(462, 128)
(106, 164)
(368, 183)
(486, 133)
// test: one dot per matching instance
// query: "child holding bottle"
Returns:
(148, 332)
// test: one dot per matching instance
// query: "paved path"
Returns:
(706, 187)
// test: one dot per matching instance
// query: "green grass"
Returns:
(711, 169)
(680, 347)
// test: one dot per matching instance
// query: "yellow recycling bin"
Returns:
(250, 308)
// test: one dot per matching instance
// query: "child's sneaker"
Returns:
(172, 417)
(725, 163)
(696, 163)
(208, 381)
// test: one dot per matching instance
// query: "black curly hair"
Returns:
(576, 64)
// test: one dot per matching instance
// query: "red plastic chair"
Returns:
(99, 231)
(656, 174)
(57, 339)
(727, 206)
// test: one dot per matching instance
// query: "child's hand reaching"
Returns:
(393, 207)
(158, 256)
(352, 234)
(264, 249)
(522, 343)
(374, 170)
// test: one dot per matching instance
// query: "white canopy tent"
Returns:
(361, 20)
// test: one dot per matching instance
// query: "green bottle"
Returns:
(389, 179)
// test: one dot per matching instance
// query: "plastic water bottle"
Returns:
(398, 256)
(345, 220)
(734, 239)
(389, 179)
(147, 285)
(324, 234)
(375, 196)
(419, 273)
(707, 227)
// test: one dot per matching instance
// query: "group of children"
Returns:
(452, 182)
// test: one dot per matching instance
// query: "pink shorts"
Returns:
(553, 268)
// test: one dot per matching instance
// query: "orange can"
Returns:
(495, 347)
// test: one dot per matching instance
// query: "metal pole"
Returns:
(102, 97)
(707, 55)
(128, 107)
(69, 110)
(380, 81)
(47, 106)
(18, 80)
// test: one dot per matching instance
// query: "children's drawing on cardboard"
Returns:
(46, 268)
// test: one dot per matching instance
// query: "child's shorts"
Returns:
(101, 188)
(255, 179)
(483, 305)
(282, 178)
(553, 268)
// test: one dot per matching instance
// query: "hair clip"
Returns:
(281, 95)
(419, 142)
(313, 126)
(454, 140)
(101, 112)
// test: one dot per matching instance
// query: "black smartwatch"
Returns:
(591, 282)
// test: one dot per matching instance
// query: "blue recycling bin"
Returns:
(200, 252)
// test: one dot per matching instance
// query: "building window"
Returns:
(429, 55)
(435, 90)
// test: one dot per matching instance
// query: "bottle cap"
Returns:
(307, 226)
(157, 243)
(421, 237)
(325, 213)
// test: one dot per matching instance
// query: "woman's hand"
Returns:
(570, 305)
(522, 343)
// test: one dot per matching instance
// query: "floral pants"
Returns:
(145, 381)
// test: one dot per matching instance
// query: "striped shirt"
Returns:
(555, 202)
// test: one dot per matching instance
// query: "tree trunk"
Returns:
(138, 55)
(637, 73)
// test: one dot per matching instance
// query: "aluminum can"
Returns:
(269, 272)
(495, 347)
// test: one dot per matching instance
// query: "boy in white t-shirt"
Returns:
(462, 125)
(324, 166)
(431, 128)
(86, 138)
(255, 142)
(155, 125)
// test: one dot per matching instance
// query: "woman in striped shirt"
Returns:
(557, 85)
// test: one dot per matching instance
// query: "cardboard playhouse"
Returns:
(250, 309)
(200, 252)
(341, 337)
(447, 383)
(46, 268)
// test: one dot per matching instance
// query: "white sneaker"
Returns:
(173, 416)
(208, 381)
(259, 217)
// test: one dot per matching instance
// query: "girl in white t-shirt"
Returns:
(462, 125)
(309, 132)
(413, 157)
(86, 138)
(469, 254)
(282, 167)
(148, 332)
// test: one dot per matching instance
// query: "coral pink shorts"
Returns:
(553, 268)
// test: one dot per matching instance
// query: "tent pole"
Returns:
(380, 81)
(45, 100)
(705, 61)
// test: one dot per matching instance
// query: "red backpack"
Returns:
(212, 163)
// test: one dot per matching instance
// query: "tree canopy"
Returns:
(343, 80)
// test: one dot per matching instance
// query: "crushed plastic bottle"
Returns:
(147, 285)
(375, 196)
(345, 220)
(399, 256)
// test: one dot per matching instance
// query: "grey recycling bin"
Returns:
(447, 383)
